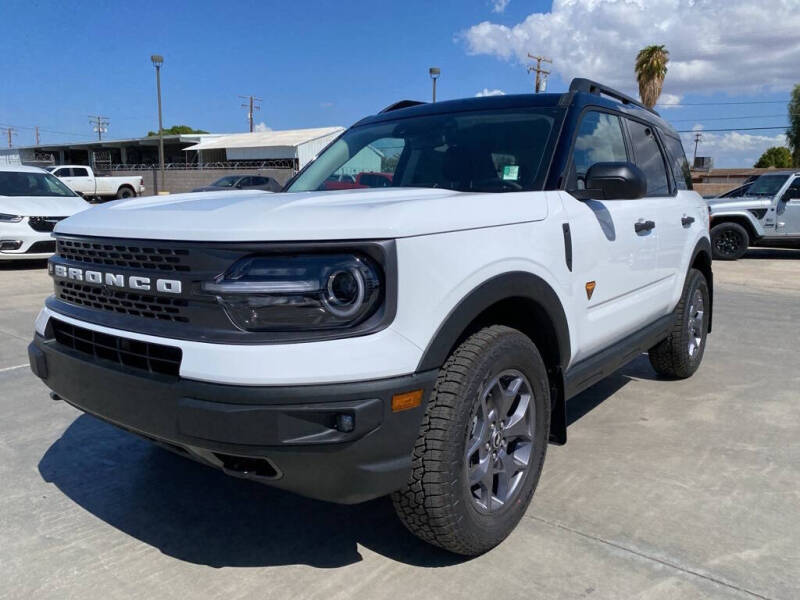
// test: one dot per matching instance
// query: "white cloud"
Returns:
(499, 6)
(667, 101)
(728, 45)
(262, 127)
(731, 148)
(488, 92)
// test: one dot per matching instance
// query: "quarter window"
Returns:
(680, 166)
(599, 139)
(649, 158)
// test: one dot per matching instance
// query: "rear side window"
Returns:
(680, 166)
(80, 173)
(648, 157)
(599, 139)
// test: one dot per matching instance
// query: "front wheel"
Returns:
(481, 445)
(729, 241)
(680, 354)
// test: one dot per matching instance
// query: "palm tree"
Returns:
(651, 68)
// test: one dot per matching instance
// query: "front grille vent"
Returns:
(145, 356)
(44, 223)
(117, 255)
(123, 302)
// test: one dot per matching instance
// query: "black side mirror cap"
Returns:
(614, 181)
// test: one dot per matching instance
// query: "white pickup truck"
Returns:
(82, 179)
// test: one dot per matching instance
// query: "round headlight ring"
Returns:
(344, 307)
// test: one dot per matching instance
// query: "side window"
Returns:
(80, 173)
(63, 173)
(245, 182)
(680, 166)
(599, 139)
(649, 159)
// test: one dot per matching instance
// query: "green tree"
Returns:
(177, 129)
(651, 69)
(777, 156)
(793, 133)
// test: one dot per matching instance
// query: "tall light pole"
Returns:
(434, 72)
(158, 60)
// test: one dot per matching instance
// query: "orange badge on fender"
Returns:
(590, 285)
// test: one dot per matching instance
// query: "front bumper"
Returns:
(287, 436)
(22, 232)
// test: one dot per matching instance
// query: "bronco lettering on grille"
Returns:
(133, 282)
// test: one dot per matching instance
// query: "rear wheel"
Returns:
(481, 445)
(125, 192)
(729, 241)
(680, 354)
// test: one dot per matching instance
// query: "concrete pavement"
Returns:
(665, 490)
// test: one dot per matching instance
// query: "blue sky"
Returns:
(330, 63)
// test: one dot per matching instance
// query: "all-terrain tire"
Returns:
(438, 503)
(729, 241)
(125, 192)
(679, 355)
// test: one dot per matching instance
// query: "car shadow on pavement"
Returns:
(589, 399)
(773, 253)
(23, 265)
(197, 514)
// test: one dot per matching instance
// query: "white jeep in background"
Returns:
(767, 214)
(418, 339)
(88, 184)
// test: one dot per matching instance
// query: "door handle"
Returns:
(687, 221)
(641, 226)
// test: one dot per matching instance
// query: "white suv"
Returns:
(419, 338)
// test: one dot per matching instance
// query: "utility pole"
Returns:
(541, 74)
(36, 134)
(10, 131)
(100, 125)
(697, 137)
(158, 61)
(434, 72)
(251, 106)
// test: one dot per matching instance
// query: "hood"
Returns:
(741, 203)
(345, 214)
(42, 206)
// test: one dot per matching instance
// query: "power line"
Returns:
(100, 125)
(32, 128)
(251, 106)
(722, 103)
(729, 118)
(731, 129)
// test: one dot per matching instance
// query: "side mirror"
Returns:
(614, 181)
(791, 194)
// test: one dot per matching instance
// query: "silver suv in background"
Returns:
(769, 214)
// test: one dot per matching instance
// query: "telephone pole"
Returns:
(251, 106)
(697, 137)
(10, 131)
(36, 134)
(541, 74)
(100, 125)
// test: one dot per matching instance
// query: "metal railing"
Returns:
(290, 164)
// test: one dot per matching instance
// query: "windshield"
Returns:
(767, 185)
(481, 151)
(229, 181)
(13, 183)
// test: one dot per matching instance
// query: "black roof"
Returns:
(582, 93)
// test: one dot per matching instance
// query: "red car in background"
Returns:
(362, 180)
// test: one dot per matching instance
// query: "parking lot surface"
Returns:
(666, 489)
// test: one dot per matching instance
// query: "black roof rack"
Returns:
(579, 84)
(401, 104)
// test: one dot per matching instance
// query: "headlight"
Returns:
(4, 218)
(299, 292)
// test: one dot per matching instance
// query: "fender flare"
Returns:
(734, 217)
(703, 246)
(506, 286)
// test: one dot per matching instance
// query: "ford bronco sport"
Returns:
(767, 214)
(418, 339)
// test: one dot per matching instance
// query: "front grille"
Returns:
(117, 255)
(44, 223)
(123, 302)
(153, 358)
(48, 246)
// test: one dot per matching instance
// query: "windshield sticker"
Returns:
(511, 172)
